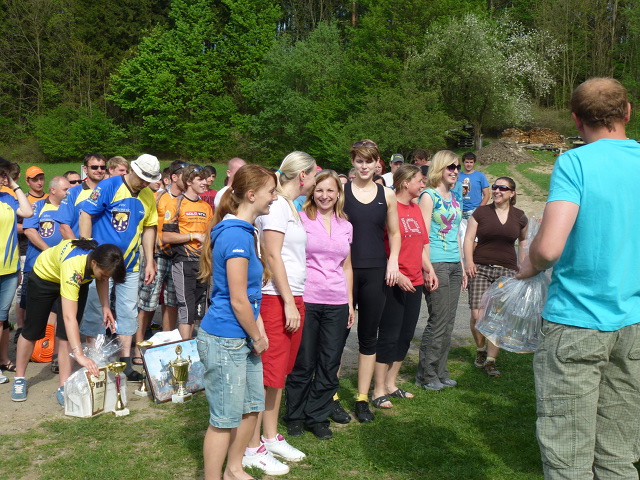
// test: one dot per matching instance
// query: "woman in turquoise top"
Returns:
(442, 211)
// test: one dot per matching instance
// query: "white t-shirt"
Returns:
(218, 197)
(388, 179)
(281, 219)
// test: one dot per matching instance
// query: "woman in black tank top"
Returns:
(371, 208)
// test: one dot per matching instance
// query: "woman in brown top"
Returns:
(495, 227)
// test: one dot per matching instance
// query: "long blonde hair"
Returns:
(248, 177)
(439, 162)
(292, 165)
(310, 207)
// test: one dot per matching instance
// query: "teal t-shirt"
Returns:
(596, 282)
(445, 220)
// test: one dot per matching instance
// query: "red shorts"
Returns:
(278, 360)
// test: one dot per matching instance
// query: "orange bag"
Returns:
(43, 350)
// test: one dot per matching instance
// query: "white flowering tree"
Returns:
(488, 71)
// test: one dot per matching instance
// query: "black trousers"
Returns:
(398, 324)
(42, 295)
(311, 385)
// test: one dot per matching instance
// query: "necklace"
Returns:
(363, 190)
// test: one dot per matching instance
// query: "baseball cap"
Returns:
(147, 167)
(397, 158)
(34, 171)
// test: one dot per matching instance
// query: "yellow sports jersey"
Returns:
(164, 200)
(8, 234)
(66, 265)
(119, 216)
(187, 216)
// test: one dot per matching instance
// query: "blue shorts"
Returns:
(126, 308)
(232, 379)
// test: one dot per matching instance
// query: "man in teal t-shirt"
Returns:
(587, 367)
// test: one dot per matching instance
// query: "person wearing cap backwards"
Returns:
(122, 211)
(396, 160)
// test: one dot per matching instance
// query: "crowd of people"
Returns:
(273, 267)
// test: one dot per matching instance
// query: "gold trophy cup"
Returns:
(117, 368)
(179, 369)
(143, 391)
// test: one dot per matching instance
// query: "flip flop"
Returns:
(136, 361)
(400, 393)
(377, 402)
(9, 367)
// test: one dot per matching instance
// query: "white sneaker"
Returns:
(266, 462)
(3, 379)
(281, 448)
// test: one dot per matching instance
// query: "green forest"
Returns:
(211, 79)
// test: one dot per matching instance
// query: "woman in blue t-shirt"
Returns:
(231, 336)
(442, 211)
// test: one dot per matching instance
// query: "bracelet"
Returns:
(76, 347)
(17, 188)
(190, 237)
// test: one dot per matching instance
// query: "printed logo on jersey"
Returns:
(46, 229)
(167, 215)
(410, 225)
(120, 219)
(195, 214)
(76, 278)
(94, 195)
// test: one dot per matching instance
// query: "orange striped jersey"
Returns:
(33, 199)
(187, 216)
(164, 200)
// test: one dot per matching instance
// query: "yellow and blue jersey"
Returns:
(119, 216)
(44, 220)
(66, 265)
(69, 211)
(8, 234)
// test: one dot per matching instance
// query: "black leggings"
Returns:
(369, 294)
(398, 324)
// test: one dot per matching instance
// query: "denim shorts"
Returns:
(126, 308)
(232, 378)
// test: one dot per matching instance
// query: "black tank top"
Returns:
(369, 222)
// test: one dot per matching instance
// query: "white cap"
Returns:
(147, 167)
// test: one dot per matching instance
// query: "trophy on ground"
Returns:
(143, 391)
(179, 369)
(117, 368)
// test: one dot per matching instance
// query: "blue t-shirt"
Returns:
(43, 219)
(596, 282)
(232, 238)
(477, 181)
(69, 210)
(445, 221)
(119, 216)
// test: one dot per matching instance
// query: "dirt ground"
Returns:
(42, 383)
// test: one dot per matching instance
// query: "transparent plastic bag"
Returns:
(510, 312)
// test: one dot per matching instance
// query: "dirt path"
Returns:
(531, 199)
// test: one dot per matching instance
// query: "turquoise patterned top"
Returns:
(445, 220)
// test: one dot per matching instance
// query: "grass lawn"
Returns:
(500, 169)
(53, 169)
(484, 429)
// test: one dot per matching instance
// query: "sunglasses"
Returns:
(75, 182)
(502, 188)
(364, 143)
(96, 167)
(453, 167)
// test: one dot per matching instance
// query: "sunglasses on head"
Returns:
(502, 188)
(96, 167)
(75, 182)
(453, 167)
(364, 143)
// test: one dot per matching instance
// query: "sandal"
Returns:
(377, 402)
(400, 393)
(134, 376)
(136, 361)
(9, 367)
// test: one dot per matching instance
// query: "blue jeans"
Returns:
(8, 287)
(232, 378)
(126, 308)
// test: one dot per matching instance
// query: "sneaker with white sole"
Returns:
(266, 462)
(281, 448)
(3, 379)
(19, 390)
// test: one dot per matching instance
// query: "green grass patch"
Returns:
(541, 179)
(500, 169)
(483, 429)
(544, 156)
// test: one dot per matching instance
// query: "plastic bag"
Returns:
(510, 312)
(80, 399)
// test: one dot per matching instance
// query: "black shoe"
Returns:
(363, 412)
(339, 414)
(134, 376)
(295, 429)
(321, 431)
